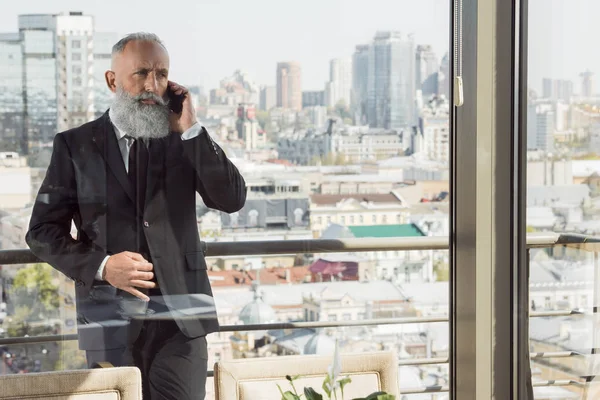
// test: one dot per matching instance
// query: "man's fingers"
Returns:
(143, 276)
(136, 293)
(136, 256)
(144, 266)
(142, 284)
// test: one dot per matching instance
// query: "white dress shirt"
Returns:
(125, 144)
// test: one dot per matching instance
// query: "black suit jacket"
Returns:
(86, 182)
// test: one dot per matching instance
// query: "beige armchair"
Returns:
(90, 384)
(257, 378)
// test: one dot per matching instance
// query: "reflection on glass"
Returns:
(349, 141)
(563, 121)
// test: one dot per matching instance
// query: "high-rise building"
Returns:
(247, 127)
(444, 77)
(268, 97)
(289, 85)
(547, 88)
(312, 98)
(540, 127)
(360, 80)
(339, 87)
(587, 84)
(57, 73)
(11, 96)
(426, 71)
(557, 89)
(391, 82)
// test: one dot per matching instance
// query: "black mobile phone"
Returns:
(175, 101)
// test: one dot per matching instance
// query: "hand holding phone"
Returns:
(183, 115)
(175, 100)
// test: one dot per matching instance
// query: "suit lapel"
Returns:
(106, 141)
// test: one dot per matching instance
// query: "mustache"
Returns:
(151, 96)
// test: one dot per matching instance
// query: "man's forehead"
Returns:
(146, 54)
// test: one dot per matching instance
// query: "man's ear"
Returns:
(110, 80)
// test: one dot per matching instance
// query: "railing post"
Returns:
(587, 392)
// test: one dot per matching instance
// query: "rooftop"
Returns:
(401, 230)
(332, 199)
(267, 276)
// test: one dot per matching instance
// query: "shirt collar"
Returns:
(118, 132)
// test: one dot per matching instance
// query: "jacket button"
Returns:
(146, 224)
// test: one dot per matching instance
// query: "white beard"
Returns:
(139, 120)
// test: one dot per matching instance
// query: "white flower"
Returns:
(334, 370)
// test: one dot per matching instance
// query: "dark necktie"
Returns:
(138, 167)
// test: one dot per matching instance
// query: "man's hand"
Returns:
(127, 270)
(180, 123)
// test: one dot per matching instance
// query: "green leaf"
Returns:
(343, 382)
(375, 395)
(290, 396)
(386, 397)
(311, 394)
(325, 386)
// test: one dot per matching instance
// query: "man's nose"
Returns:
(151, 84)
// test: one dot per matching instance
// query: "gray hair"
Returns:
(142, 36)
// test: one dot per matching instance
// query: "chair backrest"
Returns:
(123, 383)
(257, 378)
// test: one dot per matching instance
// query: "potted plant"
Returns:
(331, 384)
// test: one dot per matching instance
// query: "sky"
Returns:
(209, 39)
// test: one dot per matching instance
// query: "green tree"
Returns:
(340, 159)
(35, 287)
(18, 323)
(341, 110)
(263, 118)
(441, 270)
(69, 356)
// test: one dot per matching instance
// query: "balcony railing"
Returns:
(311, 246)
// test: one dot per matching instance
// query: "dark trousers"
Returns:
(173, 366)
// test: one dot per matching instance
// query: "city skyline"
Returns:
(561, 22)
(334, 32)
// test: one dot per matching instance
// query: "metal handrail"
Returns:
(294, 325)
(272, 247)
(215, 249)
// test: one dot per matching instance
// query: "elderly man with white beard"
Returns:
(128, 181)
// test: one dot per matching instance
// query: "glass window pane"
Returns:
(340, 132)
(562, 165)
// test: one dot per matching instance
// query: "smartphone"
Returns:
(175, 101)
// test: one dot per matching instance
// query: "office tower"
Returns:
(268, 97)
(312, 98)
(557, 89)
(289, 85)
(587, 84)
(540, 127)
(360, 79)
(563, 90)
(58, 81)
(391, 82)
(339, 87)
(444, 77)
(247, 127)
(11, 99)
(426, 71)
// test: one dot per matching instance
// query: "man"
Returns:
(128, 181)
